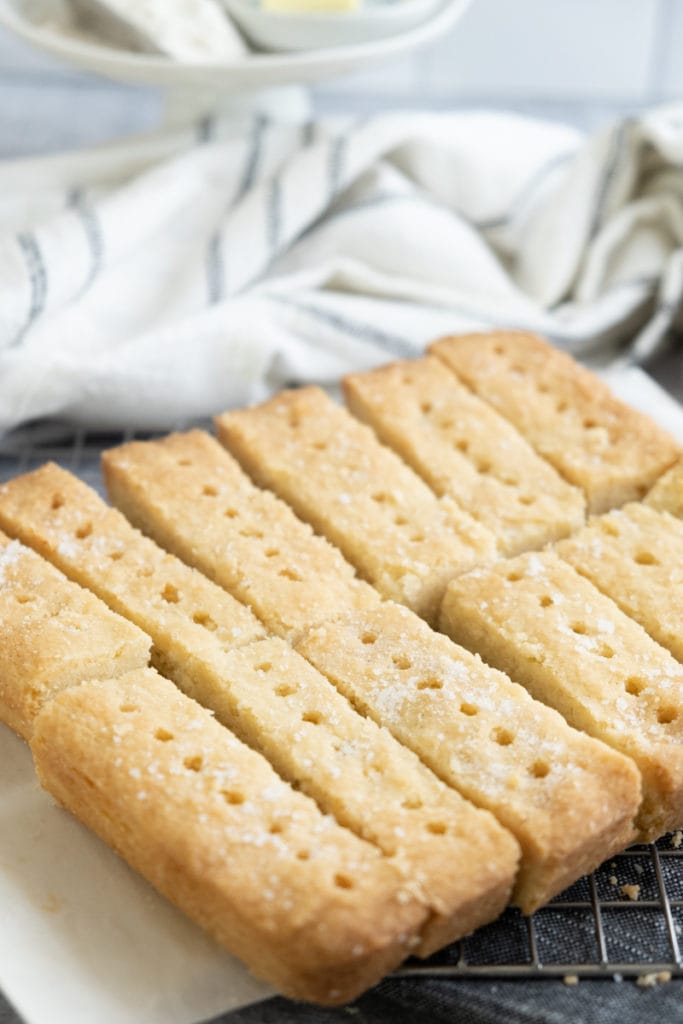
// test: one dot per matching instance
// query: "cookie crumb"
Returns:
(632, 891)
(677, 839)
(653, 979)
(571, 979)
(613, 880)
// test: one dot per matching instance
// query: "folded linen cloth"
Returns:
(166, 277)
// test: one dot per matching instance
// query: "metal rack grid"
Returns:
(592, 930)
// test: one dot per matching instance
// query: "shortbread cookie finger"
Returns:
(187, 493)
(334, 473)
(550, 629)
(567, 414)
(304, 903)
(635, 556)
(53, 634)
(569, 800)
(464, 449)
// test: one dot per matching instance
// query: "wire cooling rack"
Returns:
(592, 930)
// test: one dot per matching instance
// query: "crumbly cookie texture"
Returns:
(53, 634)
(191, 496)
(667, 493)
(635, 556)
(334, 473)
(276, 702)
(550, 629)
(614, 453)
(464, 449)
(569, 800)
(69, 524)
(303, 902)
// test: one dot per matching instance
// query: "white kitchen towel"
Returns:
(167, 277)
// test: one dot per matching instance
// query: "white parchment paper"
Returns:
(84, 940)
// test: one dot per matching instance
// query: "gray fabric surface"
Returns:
(473, 1002)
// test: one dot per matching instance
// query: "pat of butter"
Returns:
(309, 6)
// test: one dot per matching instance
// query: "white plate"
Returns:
(275, 30)
(257, 71)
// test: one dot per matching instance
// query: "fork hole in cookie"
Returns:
(343, 881)
(580, 628)
(437, 828)
(57, 502)
(539, 769)
(503, 737)
(604, 651)
(84, 531)
(285, 690)
(290, 574)
(545, 601)
(412, 804)
(231, 513)
(205, 620)
(194, 763)
(526, 499)
(232, 797)
(609, 528)
(209, 492)
(462, 445)
(128, 708)
(272, 552)
(368, 638)
(402, 661)
(314, 717)
(170, 594)
(430, 684)
(469, 709)
(303, 855)
(23, 598)
(634, 686)
(163, 735)
(667, 714)
(646, 558)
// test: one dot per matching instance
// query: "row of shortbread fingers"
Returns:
(308, 905)
(160, 506)
(215, 651)
(559, 822)
(430, 685)
(303, 901)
